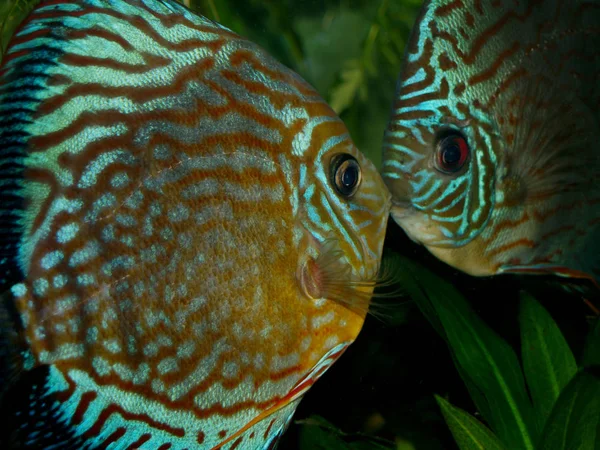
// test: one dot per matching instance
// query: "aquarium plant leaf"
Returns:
(406, 275)
(548, 362)
(574, 422)
(469, 433)
(12, 13)
(318, 433)
(489, 361)
(476, 394)
(328, 45)
(352, 78)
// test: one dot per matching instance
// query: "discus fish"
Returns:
(490, 152)
(189, 236)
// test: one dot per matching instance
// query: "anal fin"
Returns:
(576, 281)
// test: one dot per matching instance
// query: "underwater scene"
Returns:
(300, 224)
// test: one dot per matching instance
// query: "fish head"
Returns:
(444, 146)
(340, 224)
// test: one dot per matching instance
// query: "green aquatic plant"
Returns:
(12, 12)
(550, 401)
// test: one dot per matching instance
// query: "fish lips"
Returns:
(403, 213)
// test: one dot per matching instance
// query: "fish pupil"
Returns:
(345, 174)
(350, 177)
(451, 155)
(452, 152)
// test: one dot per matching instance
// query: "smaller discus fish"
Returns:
(189, 237)
(491, 152)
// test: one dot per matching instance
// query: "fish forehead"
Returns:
(167, 162)
(463, 57)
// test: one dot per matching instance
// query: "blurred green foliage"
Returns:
(467, 363)
(552, 402)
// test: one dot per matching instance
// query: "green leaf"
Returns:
(343, 94)
(591, 355)
(548, 362)
(327, 44)
(469, 433)
(408, 280)
(574, 423)
(491, 364)
(476, 394)
(12, 14)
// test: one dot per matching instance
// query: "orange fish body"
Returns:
(192, 233)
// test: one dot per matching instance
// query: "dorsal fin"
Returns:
(550, 136)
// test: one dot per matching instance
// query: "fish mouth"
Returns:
(403, 213)
(401, 209)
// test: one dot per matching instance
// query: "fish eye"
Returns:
(452, 152)
(345, 174)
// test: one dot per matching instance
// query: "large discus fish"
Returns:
(189, 237)
(491, 152)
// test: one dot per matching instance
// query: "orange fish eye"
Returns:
(452, 152)
(345, 174)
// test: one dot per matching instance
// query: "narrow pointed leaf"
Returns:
(476, 394)
(468, 432)
(409, 283)
(548, 362)
(489, 361)
(574, 422)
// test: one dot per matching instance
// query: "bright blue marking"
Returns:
(479, 115)
(434, 186)
(364, 224)
(445, 219)
(316, 233)
(355, 207)
(424, 34)
(451, 205)
(310, 191)
(302, 181)
(339, 226)
(398, 134)
(406, 151)
(446, 232)
(480, 184)
(393, 175)
(419, 76)
(59, 7)
(424, 178)
(371, 196)
(427, 90)
(19, 290)
(453, 187)
(315, 218)
(330, 143)
(418, 135)
(430, 105)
